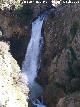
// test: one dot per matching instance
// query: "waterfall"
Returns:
(31, 62)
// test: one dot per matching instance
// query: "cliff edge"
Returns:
(13, 86)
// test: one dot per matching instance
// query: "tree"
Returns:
(8, 3)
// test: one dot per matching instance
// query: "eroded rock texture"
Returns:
(61, 57)
(72, 100)
(13, 85)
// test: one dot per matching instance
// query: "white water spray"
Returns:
(31, 62)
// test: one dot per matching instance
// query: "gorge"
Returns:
(31, 63)
(47, 50)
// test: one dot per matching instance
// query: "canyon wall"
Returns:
(60, 65)
(59, 73)
(15, 26)
(14, 31)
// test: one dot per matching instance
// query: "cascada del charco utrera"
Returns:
(31, 62)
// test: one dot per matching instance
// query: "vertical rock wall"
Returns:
(13, 84)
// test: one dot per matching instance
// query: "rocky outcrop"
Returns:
(39, 8)
(72, 100)
(61, 57)
(16, 32)
(13, 84)
(10, 24)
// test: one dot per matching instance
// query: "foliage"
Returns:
(24, 12)
(74, 64)
(76, 68)
(74, 29)
(8, 3)
(72, 58)
(72, 55)
(70, 51)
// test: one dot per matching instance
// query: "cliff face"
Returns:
(10, 24)
(61, 57)
(13, 85)
(61, 54)
(15, 31)
(15, 26)
(71, 100)
(39, 8)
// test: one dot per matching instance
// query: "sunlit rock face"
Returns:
(55, 3)
(13, 84)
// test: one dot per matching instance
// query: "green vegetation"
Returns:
(9, 3)
(71, 59)
(73, 63)
(70, 51)
(74, 29)
(72, 55)
(24, 12)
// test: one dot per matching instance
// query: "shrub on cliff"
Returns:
(24, 12)
(8, 3)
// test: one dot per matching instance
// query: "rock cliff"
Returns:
(15, 31)
(71, 100)
(13, 85)
(61, 54)
(15, 26)
(60, 65)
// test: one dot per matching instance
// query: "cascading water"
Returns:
(30, 64)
